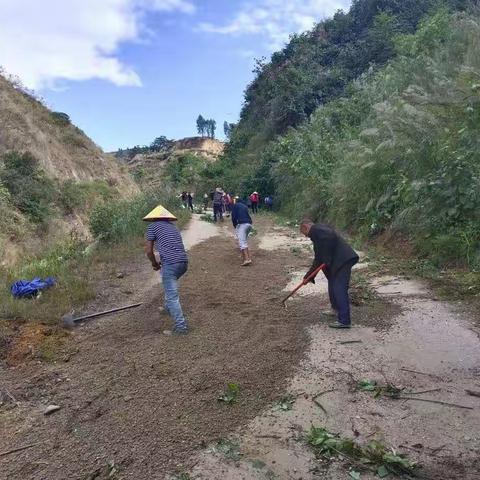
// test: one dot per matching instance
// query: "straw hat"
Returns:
(159, 213)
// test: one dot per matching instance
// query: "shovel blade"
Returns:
(68, 321)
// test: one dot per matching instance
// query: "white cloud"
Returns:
(43, 41)
(277, 19)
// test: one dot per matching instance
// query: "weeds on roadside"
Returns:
(182, 476)
(67, 263)
(374, 456)
(230, 395)
(285, 403)
(378, 390)
(229, 448)
(112, 222)
(208, 217)
(361, 292)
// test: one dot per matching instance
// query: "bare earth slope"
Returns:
(63, 150)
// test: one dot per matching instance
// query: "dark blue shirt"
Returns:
(168, 242)
(240, 214)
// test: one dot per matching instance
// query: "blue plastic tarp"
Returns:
(30, 288)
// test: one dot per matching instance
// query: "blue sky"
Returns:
(127, 71)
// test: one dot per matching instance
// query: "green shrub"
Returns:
(117, 220)
(30, 190)
(184, 170)
(60, 118)
(80, 196)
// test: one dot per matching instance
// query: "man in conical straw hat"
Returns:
(162, 233)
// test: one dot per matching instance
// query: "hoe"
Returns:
(304, 282)
(69, 321)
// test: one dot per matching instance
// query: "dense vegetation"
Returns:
(317, 66)
(394, 150)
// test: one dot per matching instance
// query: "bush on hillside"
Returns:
(316, 67)
(184, 170)
(114, 221)
(29, 189)
(81, 196)
(60, 118)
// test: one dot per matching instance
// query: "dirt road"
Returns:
(138, 404)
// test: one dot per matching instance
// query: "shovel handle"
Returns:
(106, 312)
(305, 281)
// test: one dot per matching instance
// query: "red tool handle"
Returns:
(305, 281)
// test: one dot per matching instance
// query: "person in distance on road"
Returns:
(339, 257)
(254, 199)
(242, 223)
(218, 205)
(190, 201)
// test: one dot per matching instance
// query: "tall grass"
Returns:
(115, 221)
(68, 263)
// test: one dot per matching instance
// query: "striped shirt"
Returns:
(168, 242)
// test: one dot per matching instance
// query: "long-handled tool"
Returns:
(69, 321)
(304, 282)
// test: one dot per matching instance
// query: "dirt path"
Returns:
(137, 404)
(142, 402)
(426, 346)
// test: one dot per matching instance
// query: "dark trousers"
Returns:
(217, 212)
(338, 286)
(254, 207)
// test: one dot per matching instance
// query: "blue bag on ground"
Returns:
(30, 288)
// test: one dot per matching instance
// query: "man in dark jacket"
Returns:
(339, 257)
(242, 223)
(218, 205)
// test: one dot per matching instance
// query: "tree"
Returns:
(227, 129)
(201, 125)
(211, 126)
(160, 144)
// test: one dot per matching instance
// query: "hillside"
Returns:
(392, 151)
(177, 163)
(51, 174)
(62, 149)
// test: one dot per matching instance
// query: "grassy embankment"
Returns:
(116, 232)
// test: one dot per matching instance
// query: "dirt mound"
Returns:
(149, 168)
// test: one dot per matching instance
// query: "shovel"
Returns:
(304, 282)
(69, 321)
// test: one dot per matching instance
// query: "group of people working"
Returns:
(223, 202)
(333, 255)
